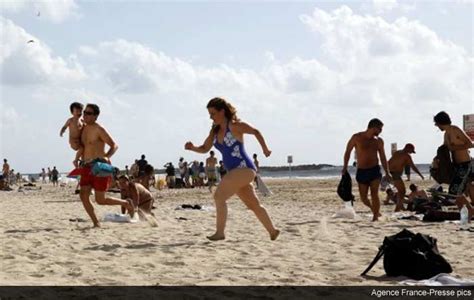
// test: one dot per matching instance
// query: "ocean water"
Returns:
(331, 172)
(324, 173)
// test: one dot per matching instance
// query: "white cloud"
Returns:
(23, 62)
(403, 61)
(152, 102)
(86, 50)
(9, 117)
(382, 6)
(56, 11)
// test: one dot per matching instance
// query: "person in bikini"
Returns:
(75, 125)
(397, 164)
(227, 136)
(369, 146)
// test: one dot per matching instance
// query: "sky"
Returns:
(306, 74)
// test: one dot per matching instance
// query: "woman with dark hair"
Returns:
(227, 136)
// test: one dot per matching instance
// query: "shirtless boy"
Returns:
(75, 125)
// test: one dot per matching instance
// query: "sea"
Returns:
(330, 173)
(323, 173)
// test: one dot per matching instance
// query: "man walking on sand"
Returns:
(94, 137)
(399, 161)
(368, 147)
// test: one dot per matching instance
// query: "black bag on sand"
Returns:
(412, 255)
(441, 216)
(344, 189)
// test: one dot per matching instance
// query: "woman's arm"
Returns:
(243, 127)
(205, 147)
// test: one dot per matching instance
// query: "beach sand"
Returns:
(42, 246)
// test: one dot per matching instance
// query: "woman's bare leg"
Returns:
(230, 184)
(248, 196)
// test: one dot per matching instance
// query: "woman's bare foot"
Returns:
(216, 237)
(97, 225)
(275, 234)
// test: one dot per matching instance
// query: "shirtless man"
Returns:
(459, 144)
(368, 145)
(211, 170)
(75, 126)
(94, 137)
(397, 163)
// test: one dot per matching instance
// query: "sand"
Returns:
(42, 246)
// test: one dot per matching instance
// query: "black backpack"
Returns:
(344, 189)
(444, 172)
(413, 255)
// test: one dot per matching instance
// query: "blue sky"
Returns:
(307, 74)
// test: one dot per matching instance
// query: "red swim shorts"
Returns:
(100, 184)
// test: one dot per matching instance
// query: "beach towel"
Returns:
(262, 187)
(344, 189)
(413, 255)
(97, 168)
(102, 169)
(440, 280)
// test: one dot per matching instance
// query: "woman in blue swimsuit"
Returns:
(227, 136)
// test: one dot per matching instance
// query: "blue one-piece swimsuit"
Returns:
(233, 152)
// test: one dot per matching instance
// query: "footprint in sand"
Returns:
(75, 272)
(104, 247)
(174, 263)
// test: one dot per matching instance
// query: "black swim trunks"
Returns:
(463, 175)
(366, 176)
